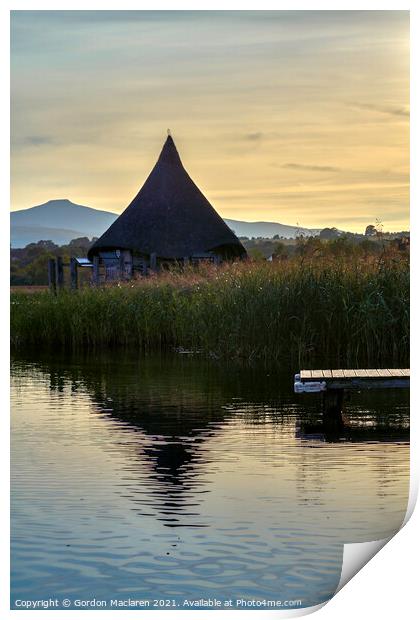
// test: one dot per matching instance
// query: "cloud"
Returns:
(248, 96)
(294, 166)
(400, 111)
(37, 140)
(254, 137)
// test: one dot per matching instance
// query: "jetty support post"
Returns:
(59, 273)
(51, 275)
(336, 384)
(73, 274)
(333, 401)
(95, 270)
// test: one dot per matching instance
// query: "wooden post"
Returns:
(59, 273)
(73, 273)
(51, 275)
(153, 261)
(122, 266)
(130, 264)
(186, 261)
(333, 407)
(95, 270)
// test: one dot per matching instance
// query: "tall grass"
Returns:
(293, 310)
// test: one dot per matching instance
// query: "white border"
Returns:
(387, 586)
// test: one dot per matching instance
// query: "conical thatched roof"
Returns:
(169, 216)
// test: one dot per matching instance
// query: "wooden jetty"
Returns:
(333, 383)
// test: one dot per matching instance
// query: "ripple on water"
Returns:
(175, 479)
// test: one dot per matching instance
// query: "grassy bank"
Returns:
(294, 310)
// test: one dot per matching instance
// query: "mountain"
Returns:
(62, 220)
(21, 236)
(58, 221)
(268, 229)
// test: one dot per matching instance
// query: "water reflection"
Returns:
(206, 479)
(176, 404)
(355, 429)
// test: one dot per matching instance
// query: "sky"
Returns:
(298, 117)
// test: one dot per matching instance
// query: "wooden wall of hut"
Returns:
(118, 265)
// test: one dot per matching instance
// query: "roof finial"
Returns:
(169, 132)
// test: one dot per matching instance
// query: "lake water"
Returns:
(179, 479)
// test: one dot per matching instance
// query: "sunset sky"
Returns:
(282, 116)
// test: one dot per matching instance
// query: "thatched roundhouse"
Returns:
(169, 220)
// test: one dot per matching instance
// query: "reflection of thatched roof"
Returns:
(170, 216)
(174, 409)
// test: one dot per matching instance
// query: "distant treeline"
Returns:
(29, 264)
(330, 241)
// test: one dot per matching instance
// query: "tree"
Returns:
(342, 246)
(29, 265)
(368, 247)
(308, 246)
(80, 242)
(280, 251)
(47, 245)
(370, 231)
(256, 254)
(37, 270)
(329, 233)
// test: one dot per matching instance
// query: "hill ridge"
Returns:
(61, 219)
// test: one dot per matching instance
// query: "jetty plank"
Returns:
(305, 374)
(361, 372)
(317, 375)
(357, 378)
(349, 373)
(373, 372)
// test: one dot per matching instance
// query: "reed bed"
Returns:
(347, 312)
